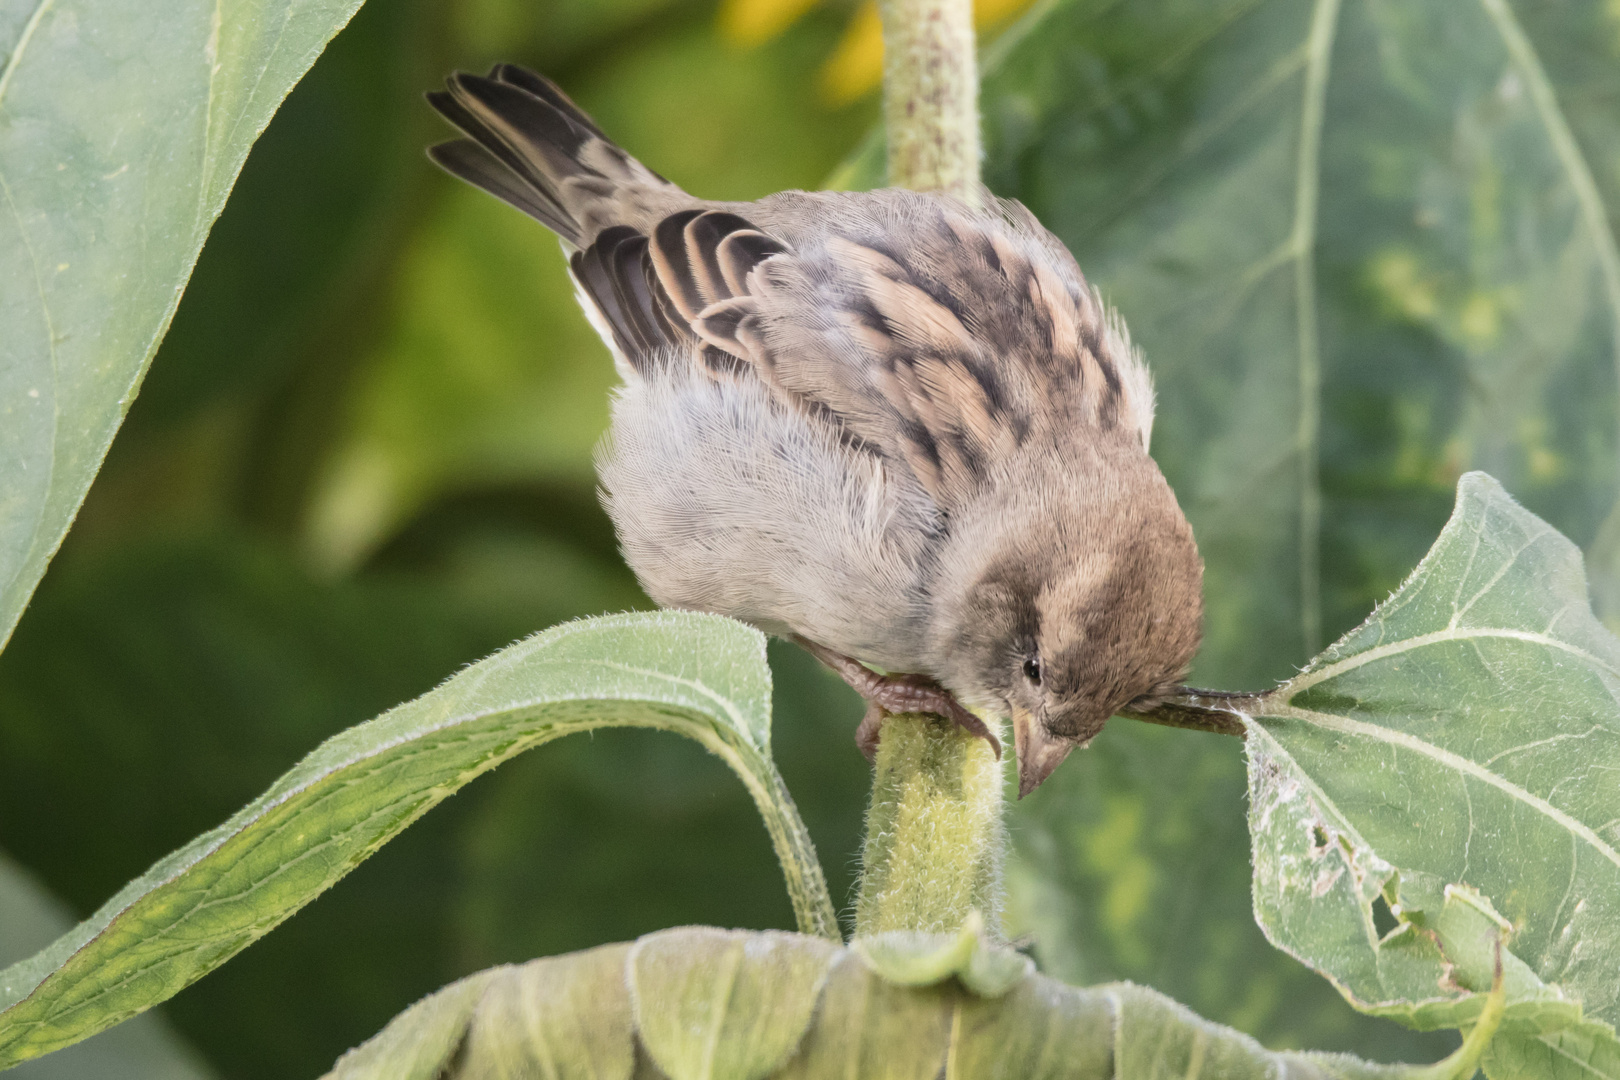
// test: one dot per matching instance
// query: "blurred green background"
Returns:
(362, 459)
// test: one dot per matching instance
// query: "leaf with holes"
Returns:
(1455, 761)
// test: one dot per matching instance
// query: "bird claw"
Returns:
(888, 694)
(871, 728)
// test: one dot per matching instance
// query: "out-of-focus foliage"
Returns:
(361, 460)
(455, 392)
(854, 68)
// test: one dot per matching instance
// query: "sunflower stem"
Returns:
(934, 836)
(931, 96)
(935, 842)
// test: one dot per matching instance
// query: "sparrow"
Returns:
(899, 429)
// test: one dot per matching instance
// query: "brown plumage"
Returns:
(897, 428)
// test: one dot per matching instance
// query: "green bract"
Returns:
(684, 1004)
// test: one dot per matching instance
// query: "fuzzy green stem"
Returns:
(931, 96)
(934, 836)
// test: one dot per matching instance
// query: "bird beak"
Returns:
(1039, 752)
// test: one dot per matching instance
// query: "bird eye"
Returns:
(1032, 669)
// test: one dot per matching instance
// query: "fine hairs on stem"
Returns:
(935, 840)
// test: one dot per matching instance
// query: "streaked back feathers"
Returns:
(938, 336)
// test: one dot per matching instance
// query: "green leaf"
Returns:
(1454, 758)
(122, 129)
(143, 1049)
(1587, 1051)
(713, 1004)
(701, 676)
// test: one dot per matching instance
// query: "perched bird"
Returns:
(899, 429)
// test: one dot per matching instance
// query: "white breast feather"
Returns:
(726, 501)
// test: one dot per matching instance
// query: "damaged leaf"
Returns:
(1446, 776)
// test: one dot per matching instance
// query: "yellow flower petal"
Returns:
(855, 68)
(991, 12)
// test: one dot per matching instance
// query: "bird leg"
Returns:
(887, 694)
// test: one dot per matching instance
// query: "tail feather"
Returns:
(532, 147)
(549, 92)
(471, 162)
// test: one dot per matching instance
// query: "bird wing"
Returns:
(940, 337)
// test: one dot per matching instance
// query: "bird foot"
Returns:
(888, 694)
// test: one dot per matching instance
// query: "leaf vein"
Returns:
(23, 41)
(1593, 730)
(1457, 762)
(1319, 48)
(1412, 644)
(1567, 150)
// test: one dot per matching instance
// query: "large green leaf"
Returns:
(1454, 760)
(701, 676)
(702, 1004)
(122, 129)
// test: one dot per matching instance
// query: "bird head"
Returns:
(1077, 592)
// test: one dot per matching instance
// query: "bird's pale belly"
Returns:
(728, 502)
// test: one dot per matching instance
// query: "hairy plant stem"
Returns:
(931, 96)
(934, 836)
